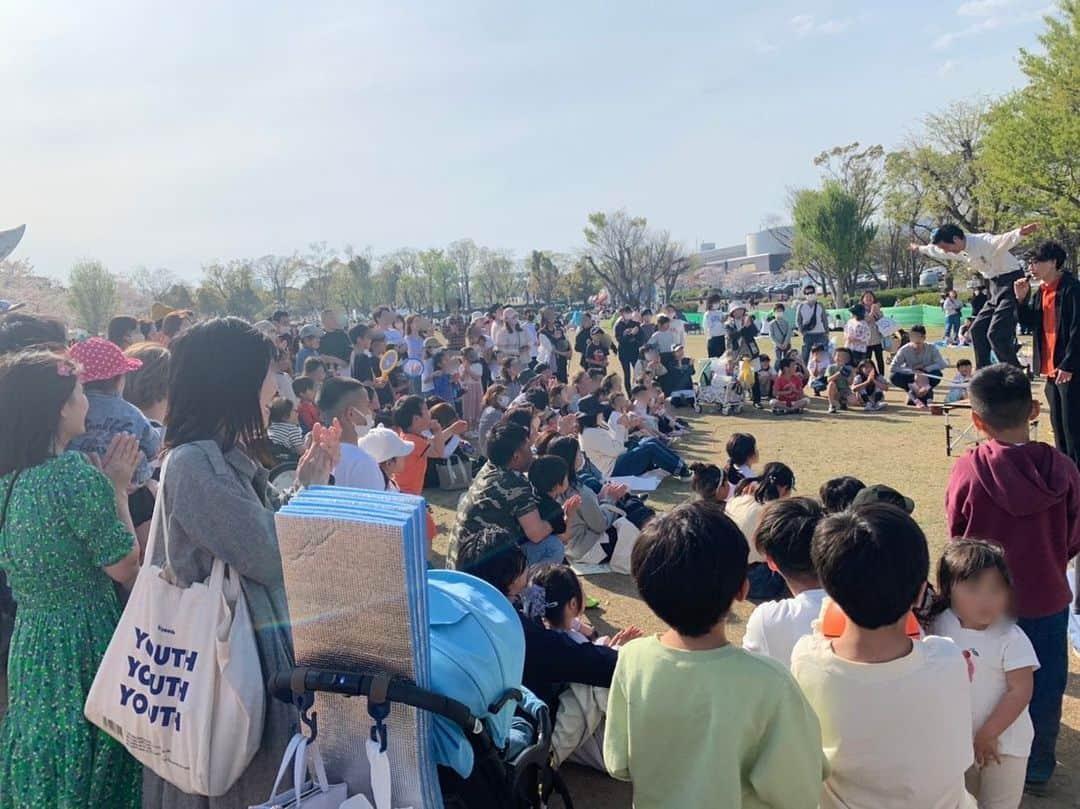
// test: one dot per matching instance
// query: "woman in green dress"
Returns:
(65, 537)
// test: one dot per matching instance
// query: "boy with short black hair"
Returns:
(783, 538)
(681, 740)
(838, 378)
(959, 390)
(817, 369)
(315, 370)
(548, 475)
(895, 712)
(1025, 496)
(341, 399)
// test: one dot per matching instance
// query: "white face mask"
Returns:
(811, 297)
(504, 401)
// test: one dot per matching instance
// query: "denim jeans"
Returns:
(1048, 636)
(549, 551)
(649, 454)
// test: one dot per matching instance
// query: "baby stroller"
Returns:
(427, 663)
(718, 390)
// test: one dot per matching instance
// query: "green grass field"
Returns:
(899, 446)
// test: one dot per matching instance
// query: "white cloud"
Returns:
(834, 26)
(981, 8)
(803, 24)
(947, 67)
(989, 23)
(806, 24)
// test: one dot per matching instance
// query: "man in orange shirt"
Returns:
(412, 419)
(1053, 315)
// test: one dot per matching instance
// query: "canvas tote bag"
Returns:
(181, 686)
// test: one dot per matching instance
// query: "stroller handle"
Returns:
(378, 688)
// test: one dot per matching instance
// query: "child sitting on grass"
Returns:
(895, 712)
(817, 370)
(838, 378)
(682, 740)
(838, 494)
(972, 606)
(958, 391)
(788, 389)
(867, 386)
(783, 538)
(710, 483)
(548, 475)
(742, 455)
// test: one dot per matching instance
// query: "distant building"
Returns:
(763, 252)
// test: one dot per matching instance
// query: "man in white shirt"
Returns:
(339, 400)
(988, 254)
(812, 321)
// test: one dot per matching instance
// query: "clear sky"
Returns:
(171, 134)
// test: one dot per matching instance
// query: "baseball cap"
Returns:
(880, 493)
(432, 344)
(311, 330)
(100, 359)
(382, 444)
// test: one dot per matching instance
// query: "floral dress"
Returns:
(60, 530)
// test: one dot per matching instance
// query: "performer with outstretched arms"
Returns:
(988, 254)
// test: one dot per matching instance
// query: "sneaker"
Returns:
(879, 405)
(1039, 789)
(869, 406)
(832, 409)
(684, 473)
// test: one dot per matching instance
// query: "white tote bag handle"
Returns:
(290, 754)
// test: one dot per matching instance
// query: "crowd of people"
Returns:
(859, 685)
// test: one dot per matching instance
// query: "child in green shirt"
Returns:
(839, 377)
(693, 720)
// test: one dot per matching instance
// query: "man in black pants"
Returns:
(987, 254)
(1052, 313)
(628, 336)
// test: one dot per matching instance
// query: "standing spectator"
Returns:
(812, 322)
(715, 330)
(453, 328)
(1053, 313)
(384, 321)
(532, 331)
(124, 332)
(678, 323)
(874, 351)
(172, 325)
(952, 308)
(628, 336)
(511, 340)
(282, 322)
(581, 339)
(1024, 496)
(215, 502)
(987, 254)
(310, 344)
(780, 331)
(978, 300)
(363, 366)
(335, 342)
(65, 537)
(647, 325)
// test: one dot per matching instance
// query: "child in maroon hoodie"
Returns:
(1025, 496)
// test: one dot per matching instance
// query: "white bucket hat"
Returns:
(736, 305)
(382, 444)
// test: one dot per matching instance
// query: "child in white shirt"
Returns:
(783, 538)
(895, 711)
(959, 389)
(972, 609)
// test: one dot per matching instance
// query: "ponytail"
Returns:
(774, 476)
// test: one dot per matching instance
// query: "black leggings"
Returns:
(877, 356)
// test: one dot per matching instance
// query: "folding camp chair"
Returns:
(956, 437)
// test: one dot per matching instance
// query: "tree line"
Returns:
(987, 165)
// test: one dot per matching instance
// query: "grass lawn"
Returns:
(898, 446)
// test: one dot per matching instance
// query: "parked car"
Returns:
(931, 278)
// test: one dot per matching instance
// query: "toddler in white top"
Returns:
(972, 610)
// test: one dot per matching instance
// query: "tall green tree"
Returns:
(92, 289)
(544, 276)
(1032, 150)
(830, 229)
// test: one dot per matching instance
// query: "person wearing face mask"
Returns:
(343, 399)
(715, 328)
(812, 321)
(494, 404)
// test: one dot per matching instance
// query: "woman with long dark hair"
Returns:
(65, 537)
(215, 502)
